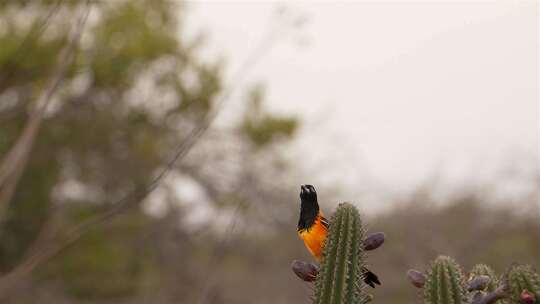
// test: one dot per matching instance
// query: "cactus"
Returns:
(444, 284)
(524, 284)
(340, 280)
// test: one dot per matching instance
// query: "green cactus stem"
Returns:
(340, 279)
(522, 278)
(444, 284)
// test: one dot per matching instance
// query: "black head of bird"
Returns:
(309, 207)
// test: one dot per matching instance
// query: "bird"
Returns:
(313, 229)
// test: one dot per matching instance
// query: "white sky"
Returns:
(395, 91)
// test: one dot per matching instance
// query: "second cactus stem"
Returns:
(444, 284)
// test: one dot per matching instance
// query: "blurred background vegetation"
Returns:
(136, 89)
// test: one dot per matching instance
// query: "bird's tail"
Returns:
(370, 278)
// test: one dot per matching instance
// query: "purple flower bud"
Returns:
(417, 278)
(374, 241)
(304, 270)
(478, 283)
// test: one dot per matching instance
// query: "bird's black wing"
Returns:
(325, 222)
(370, 278)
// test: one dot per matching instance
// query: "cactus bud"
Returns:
(498, 294)
(374, 241)
(417, 278)
(477, 297)
(305, 271)
(484, 270)
(527, 297)
(478, 283)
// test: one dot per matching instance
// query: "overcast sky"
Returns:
(395, 91)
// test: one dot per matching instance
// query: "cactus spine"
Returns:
(340, 279)
(523, 278)
(444, 284)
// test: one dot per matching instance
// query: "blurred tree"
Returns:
(136, 89)
(260, 127)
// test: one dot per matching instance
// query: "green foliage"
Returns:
(129, 36)
(261, 132)
(29, 214)
(260, 127)
(106, 263)
(30, 68)
(135, 90)
(340, 278)
(444, 284)
(95, 136)
(520, 278)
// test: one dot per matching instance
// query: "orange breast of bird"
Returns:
(314, 237)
